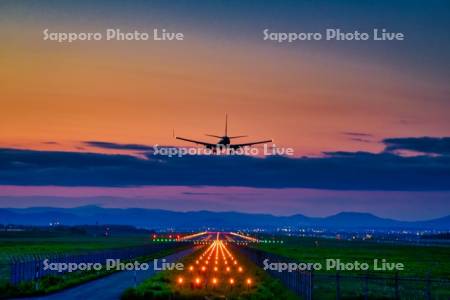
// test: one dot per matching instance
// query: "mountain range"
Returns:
(162, 219)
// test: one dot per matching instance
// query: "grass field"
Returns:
(420, 262)
(50, 284)
(23, 244)
(28, 243)
(212, 284)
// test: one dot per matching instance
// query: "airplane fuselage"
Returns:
(224, 141)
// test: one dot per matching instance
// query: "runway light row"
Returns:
(198, 281)
(215, 258)
(167, 240)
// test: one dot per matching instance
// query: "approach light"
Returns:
(228, 269)
(203, 269)
(231, 281)
(180, 280)
(240, 269)
(249, 281)
(197, 281)
(191, 268)
(214, 281)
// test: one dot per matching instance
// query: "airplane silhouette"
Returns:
(225, 140)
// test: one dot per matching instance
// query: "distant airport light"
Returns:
(180, 280)
(249, 281)
(191, 268)
(214, 281)
(231, 281)
(228, 269)
(240, 269)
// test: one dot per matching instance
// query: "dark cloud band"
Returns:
(336, 170)
(430, 145)
(116, 146)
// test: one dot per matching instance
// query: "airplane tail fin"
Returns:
(226, 124)
(226, 130)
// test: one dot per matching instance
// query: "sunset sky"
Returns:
(368, 121)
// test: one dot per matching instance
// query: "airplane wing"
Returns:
(207, 145)
(237, 146)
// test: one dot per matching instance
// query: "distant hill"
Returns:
(157, 219)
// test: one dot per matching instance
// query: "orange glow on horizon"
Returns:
(95, 95)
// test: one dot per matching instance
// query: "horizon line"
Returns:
(233, 211)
